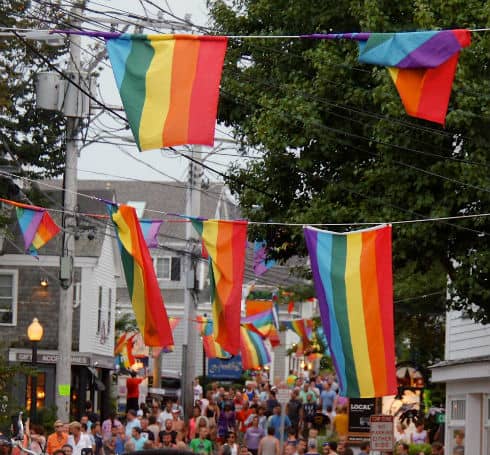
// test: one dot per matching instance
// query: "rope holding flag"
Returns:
(169, 86)
(146, 297)
(352, 274)
(225, 242)
(421, 64)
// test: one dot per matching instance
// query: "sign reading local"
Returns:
(360, 410)
(381, 433)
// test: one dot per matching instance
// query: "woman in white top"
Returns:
(419, 436)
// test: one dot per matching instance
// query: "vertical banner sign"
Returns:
(382, 433)
(360, 411)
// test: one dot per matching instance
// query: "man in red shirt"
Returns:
(242, 416)
(133, 391)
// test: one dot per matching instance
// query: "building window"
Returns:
(458, 409)
(40, 391)
(99, 311)
(168, 268)
(8, 297)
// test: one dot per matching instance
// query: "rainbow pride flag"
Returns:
(421, 64)
(300, 327)
(147, 300)
(36, 225)
(174, 322)
(353, 281)
(225, 242)
(169, 86)
(263, 324)
(253, 349)
(124, 349)
(261, 263)
(150, 229)
(212, 349)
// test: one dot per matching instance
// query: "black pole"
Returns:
(33, 413)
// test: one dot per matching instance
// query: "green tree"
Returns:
(30, 138)
(336, 146)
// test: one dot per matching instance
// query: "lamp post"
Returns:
(35, 334)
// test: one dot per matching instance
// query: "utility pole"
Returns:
(193, 208)
(70, 186)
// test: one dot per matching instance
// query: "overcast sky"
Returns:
(99, 159)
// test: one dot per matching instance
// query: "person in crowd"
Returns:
(201, 445)
(153, 427)
(78, 440)
(326, 448)
(132, 421)
(133, 391)
(145, 430)
(420, 435)
(120, 440)
(328, 398)
(364, 448)
(437, 448)
(226, 423)
(95, 436)
(212, 411)
(458, 443)
(301, 446)
(230, 446)
(168, 429)
(166, 440)
(402, 448)
(67, 449)
(137, 438)
(348, 451)
(309, 411)
(57, 439)
(242, 417)
(275, 422)
(165, 414)
(253, 435)
(269, 444)
(197, 388)
(129, 446)
(36, 438)
(294, 410)
(401, 434)
(312, 447)
(341, 422)
(196, 414)
(271, 402)
(107, 424)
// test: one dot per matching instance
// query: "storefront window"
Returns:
(40, 391)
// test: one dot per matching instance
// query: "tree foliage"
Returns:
(336, 146)
(30, 138)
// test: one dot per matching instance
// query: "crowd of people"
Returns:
(224, 421)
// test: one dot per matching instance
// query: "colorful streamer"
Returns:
(169, 85)
(36, 225)
(253, 349)
(150, 229)
(225, 242)
(147, 300)
(212, 349)
(261, 263)
(421, 64)
(353, 282)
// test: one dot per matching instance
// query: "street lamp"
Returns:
(35, 334)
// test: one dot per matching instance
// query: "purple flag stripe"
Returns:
(362, 36)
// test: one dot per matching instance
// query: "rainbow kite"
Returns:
(225, 242)
(169, 86)
(421, 64)
(150, 229)
(147, 300)
(36, 225)
(353, 282)
(263, 324)
(211, 348)
(253, 349)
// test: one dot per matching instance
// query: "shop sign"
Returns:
(381, 433)
(50, 358)
(360, 410)
(225, 369)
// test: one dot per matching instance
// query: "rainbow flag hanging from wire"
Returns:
(36, 225)
(253, 349)
(352, 275)
(421, 64)
(263, 324)
(174, 322)
(211, 348)
(169, 86)
(147, 300)
(300, 327)
(150, 229)
(124, 349)
(225, 242)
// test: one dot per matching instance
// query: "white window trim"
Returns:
(155, 260)
(15, 286)
(455, 423)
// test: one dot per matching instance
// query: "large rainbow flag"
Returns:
(169, 86)
(421, 64)
(211, 348)
(36, 225)
(263, 324)
(225, 242)
(253, 349)
(147, 300)
(353, 281)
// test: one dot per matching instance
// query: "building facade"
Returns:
(466, 373)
